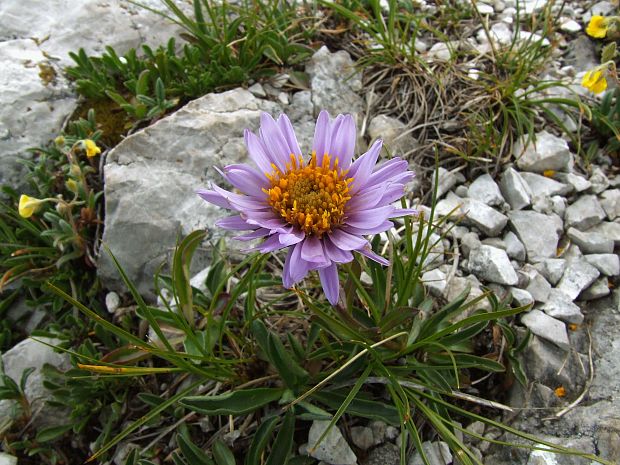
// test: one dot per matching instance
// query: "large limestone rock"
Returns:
(151, 178)
(30, 353)
(546, 152)
(32, 109)
(64, 26)
(537, 232)
(35, 39)
(336, 84)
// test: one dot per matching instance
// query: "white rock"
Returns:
(440, 51)
(492, 265)
(552, 269)
(598, 289)
(590, 242)
(150, 188)
(607, 263)
(537, 232)
(560, 306)
(31, 111)
(489, 221)
(541, 186)
(558, 205)
(538, 287)
(393, 133)
(420, 46)
(485, 9)
(112, 301)
(469, 242)
(7, 459)
(333, 449)
(532, 38)
(450, 206)
(547, 328)
(33, 354)
(516, 191)
(547, 152)
(447, 180)
(609, 229)
(579, 274)
(435, 281)
(501, 33)
(579, 183)
(610, 201)
(329, 90)
(257, 90)
(570, 25)
(485, 190)
(584, 213)
(437, 453)
(521, 297)
(599, 180)
(514, 247)
(59, 29)
(362, 437)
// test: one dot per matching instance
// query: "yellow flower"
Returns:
(597, 27)
(548, 173)
(91, 148)
(560, 391)
(28, 205)
(594, 81)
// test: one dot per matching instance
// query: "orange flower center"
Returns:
(310, 197)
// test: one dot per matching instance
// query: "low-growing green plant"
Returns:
(228, 45)
(51, 235)
(266, 370)
(606, 123)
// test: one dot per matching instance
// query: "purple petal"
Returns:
(329, 281)
(369, 218)
(274, 141)
(247, 180)
(289, 134)
(346, 241)
(234, 223)
(299, 267)
(391, 194)
(273, 224)
(287, 281)
(373, 256)
(257, 152)
(214, 198)
(388, 170)
(241, 202)
(322, 136)
(403, 212)
(261, 232)
(362, 167)
(366, 198)
(292, 238)
(269, 245)
(385, 226)
(312, 250)
(343, 141)
(335, 253)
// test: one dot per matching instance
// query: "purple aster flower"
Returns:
(320, 209)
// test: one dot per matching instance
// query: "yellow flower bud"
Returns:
(91, 148)
(28, 205)
(59, 141)
(72, 186)
(75, 170)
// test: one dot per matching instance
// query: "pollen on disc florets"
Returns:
(308, 196)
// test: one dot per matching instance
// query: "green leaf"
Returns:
(260, 440)
(233, 403)
(284, 441)
(292, 374)
(194, 454)
(222, 454)
(371, 409)
(609, 52)
(52, 433)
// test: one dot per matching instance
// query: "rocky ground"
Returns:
(543, 229)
